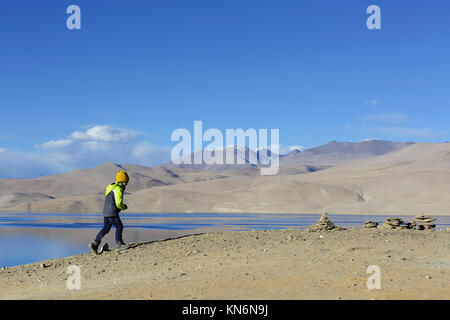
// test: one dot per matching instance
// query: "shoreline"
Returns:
(263, 264)
(135, 234)
(319, 212)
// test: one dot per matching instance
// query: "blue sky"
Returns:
(137, 70)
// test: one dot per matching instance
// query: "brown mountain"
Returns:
(413, 180)
(69, 191)
(335, 152)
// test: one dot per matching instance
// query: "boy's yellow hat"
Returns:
(122, 176)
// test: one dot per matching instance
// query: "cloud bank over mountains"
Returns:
(87, 148)
(82, 149)
(97, 139)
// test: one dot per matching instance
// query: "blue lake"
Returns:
(32, 237)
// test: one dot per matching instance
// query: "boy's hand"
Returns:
(126, 207)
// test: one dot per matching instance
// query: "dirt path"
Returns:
(275, 264)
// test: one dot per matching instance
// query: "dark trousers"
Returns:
(107, 224)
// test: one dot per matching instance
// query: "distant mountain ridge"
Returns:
(301, 185)
(329, 154)
(242, 156)
(336, 152)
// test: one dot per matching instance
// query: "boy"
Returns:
(113, 205)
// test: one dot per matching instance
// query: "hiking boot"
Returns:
(120, 244)
(93, 246)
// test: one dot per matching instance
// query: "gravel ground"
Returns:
(266, 264)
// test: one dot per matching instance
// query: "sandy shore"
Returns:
(274, 264)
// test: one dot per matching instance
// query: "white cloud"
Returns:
(373, 103)
(389, 117)
(55, 144)
(17, 164)
(94, 139)
(405, 132)
(82, 149)
(149, 154)
(394, 125)
(104, 133)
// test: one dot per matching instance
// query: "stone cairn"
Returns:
(424, 223)
(393, 223)
(419, 223)
(324, 224)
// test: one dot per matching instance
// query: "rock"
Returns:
(396, 223)
(370, 224)
(324, 224)
(43, 265)
(324, 217)
(411, 225)
(427, 277)
(424, 223)
(424, 219)
(392, 223)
